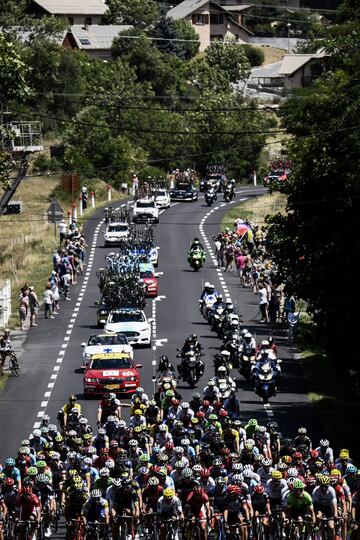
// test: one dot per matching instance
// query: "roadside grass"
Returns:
(272, 54)
(329, 396)
(27, 241)
(255, 209)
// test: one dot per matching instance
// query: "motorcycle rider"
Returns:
(165, 365)
(219, 303)
(223, 380)
(211, 391)
(196, 245)
(264, 357)
(223, 359)
(248, 342)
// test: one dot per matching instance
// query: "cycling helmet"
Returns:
(41, 464)
(178, 450)
(237, 467)
(237, 479)
(250, 443)
(351, 469)
(187, 473)
(290, 482)
(197, 468)
(169, 445)
(179, 464)
(9, 462)
(302, 431)
(276, 475)
(282, 467)
(109, 464)
(169, 493)
(233, 490)
(259, 488)
(344, 453)
(116, 482)
(144, 458)
(220, 481)
(287, 459)
(96, 494)
(324, 480)
(266, 462)
(204, 473)
(143, 470)
(298, 455)
(293, 472)
(163, 458)
(42, 479)
(104, 472)
(133, 442)
(153, 481)
(324, 442)
(298, 484)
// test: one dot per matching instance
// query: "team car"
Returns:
(162, 198)
(115, 233)
(149, 277)
(184, 192)
(131, 322)
(113, 371)
(106, 343)
(145, 210)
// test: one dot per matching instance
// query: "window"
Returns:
(216, 18)
(84, 41)
(88, 21)
(200, 19)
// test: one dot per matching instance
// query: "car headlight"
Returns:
(87, 356)
(130, 379)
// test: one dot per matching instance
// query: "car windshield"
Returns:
(214, 178)
(111, 363)
(183, 186)
(160, 193)
(146, 274)
(145, 204)
(116, 339)
(277, 172)
(126, 316)
(117, 228)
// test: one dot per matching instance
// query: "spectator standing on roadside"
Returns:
(56, 297)
(48, 302)
(23, 308)
(33, 305)
(62, 230)
(263, 301)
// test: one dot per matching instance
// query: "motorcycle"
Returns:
(206, 304)
(221, 360)
(210, 197)
(196, 259)
(247, 359)
(232, 346)
(191, 367)
(228, 194)
(265, 381)
(217, 320)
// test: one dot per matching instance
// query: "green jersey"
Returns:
(299, 503)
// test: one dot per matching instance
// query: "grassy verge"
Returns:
(27, 240)
(255, 209)
(328, 396)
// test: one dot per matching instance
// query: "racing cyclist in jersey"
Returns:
(150, 496)
(325, 504)
(236, 513)
(28, 508)
(64, 412)
(261, 507)
(198, 507)
(48, 503)
(299, 504)
(3, 513)
(96, 509)
(169, 507)
(123, 501)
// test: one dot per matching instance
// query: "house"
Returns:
(96, 40)
(210, 20)
(76, 11)
(300, 70)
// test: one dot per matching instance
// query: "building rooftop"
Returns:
(73, 7)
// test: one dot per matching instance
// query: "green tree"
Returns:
(315, 243)
(139, 13)
(177, 38)
(230, 57)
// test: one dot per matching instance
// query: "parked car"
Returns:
(131, 322)
(112, 371)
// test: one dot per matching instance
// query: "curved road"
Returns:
(53, 355)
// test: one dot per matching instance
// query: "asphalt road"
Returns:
(53, 355)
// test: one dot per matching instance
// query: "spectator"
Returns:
(48, 302)
(263, 301)
(33, 305)
(62, 230)
(23, 308)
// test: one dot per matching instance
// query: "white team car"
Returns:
(131, 322)
(115, 232)
(162, 198)
(106, 343)
(145, 210)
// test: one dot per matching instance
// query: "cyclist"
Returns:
(66, 409)
(325, 504)
(95, 509)
(299, 504)
(28, 508)
(197, 506)
(13, 472)
(124, 501)
(169, 507)
(48, 503)
(236, 513)
(261, 507)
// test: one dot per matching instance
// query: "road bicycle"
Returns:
(124, 527)
(96, 531)
(13, 366)
(192, 529)
(166, 529)
(258, 529)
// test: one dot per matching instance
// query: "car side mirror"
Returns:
(150, 320)
(156, 275)
(83, 344)
(138, 366)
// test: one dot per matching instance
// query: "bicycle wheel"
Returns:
(14, 366)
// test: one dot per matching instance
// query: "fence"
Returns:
(5, 303)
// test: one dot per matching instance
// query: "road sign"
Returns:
(55, 213)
